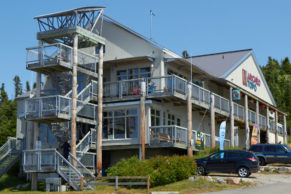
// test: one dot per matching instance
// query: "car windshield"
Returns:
(287, 147)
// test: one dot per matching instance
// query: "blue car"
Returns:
(272, 153)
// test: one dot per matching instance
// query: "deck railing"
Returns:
(55, 53)
(168, 134)
(263, 121)
(53, 106)
(50, 160)
(252, 116)
(239, 111)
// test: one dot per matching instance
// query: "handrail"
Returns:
(83, 139)
(80, 163)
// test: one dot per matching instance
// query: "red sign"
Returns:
(250, 80)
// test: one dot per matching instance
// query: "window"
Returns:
(257, 148)
(178, 122)
(97, 48)
(171, 119)
(217, 156)
(120, 124)
(133, 73)
(280, 149)
(270, 148)
(155, 117)
(234, 155)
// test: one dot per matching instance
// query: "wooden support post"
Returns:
(34, 176)
(276, 126)
(258, 120)
(100, 112)
(189, 114)
(212, 120)
(142, 120)
(247, 122)
(74, 98)
(82, 183)
(231, 118)
(285, 129)
(116, 183)
(268, 125)
(148, 184)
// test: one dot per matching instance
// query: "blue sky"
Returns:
(200, 26)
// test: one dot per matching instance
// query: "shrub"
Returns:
(162, 170)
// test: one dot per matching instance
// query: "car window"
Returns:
(256, 148)
(280, 149)
(270, 148)
(219, 155)
(234, 155)
(287, 148)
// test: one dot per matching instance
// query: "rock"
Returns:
(283, 170)
(247, 180)
(192, 179)
(233, 180)
(220, 181)
(209, 178)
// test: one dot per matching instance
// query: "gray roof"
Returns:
(218, 64)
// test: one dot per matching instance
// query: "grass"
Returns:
(184, 186)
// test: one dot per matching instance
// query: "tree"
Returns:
(185, 54)
(286, 66)
(4, 96)
(18, 86)
(27, 86)
(34, 85)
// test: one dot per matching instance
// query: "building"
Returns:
(150, 98)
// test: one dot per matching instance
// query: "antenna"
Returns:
(191, 67)
(151, 14)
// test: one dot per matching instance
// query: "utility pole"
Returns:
(74, 98)
(212, 120)
(142, 120)
(151, 16)
(189, 110)
(36, 124)
(100, 113)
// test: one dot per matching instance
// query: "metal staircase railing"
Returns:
(85, 157)
(49, 160)
(9, 154)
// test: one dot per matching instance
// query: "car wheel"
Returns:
(201, 170)
(262, 161)
(243, 172)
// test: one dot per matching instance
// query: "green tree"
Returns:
(185, 54)
(18, 86)
(4, 96)
(27, 86)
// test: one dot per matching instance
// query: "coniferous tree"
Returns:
(18, 86)
(185, 54)
(4, 96)
(27, 86)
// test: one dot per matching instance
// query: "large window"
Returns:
(120, 124)
(133, 73)
(155, 117)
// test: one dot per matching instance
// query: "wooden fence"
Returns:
(94, 181)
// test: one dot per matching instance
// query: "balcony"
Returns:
(57, 109)
(176, 136)
(59, 58)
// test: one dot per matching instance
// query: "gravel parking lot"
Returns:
(265, 184)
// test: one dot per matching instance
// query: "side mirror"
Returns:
(286, 151)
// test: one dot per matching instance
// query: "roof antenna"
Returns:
(151, 14)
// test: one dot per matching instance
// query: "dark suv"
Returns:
(229, 161)
(272, 153)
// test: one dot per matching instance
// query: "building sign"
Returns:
(250, 80)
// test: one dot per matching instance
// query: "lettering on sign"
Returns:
(250, 80)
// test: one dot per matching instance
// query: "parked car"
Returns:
(272, 153)
(229, 161)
